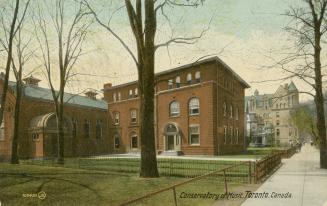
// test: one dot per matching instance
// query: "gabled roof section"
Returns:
(39, 93)
(292, 87)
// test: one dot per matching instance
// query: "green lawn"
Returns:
(166, 166)
(72, 186)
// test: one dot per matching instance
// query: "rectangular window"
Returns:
(237, 136)
(119, 96)
(116, 118)
(194, 135)
(87, 129)
(170, 84)
(277, 132)
(277, 114)
(277, 122)
(225, 135)
(99, 129)
(136, 92)
(231, 135)
(2, 131)
(133, 116)
(114, 97)
(74, 128)
(130, 93)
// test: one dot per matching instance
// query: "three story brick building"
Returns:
(199, 110)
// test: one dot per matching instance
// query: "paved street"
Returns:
(301, 177)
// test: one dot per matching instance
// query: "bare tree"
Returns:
(23, 55)
(70, 35)
(303, 60)
(144, 32)
(7, 44)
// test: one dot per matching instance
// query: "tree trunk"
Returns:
(319, 99)
(60, 125)
(14, 146)
(148, 150)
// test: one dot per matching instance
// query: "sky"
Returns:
(241, 32)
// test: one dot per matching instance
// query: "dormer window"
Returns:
(197, 77)
(189, 78)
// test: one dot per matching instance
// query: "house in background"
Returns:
(199, 110)
(268, 116)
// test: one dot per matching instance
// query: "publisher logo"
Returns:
(41, 195)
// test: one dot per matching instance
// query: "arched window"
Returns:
(178, 82)
(189, 78)
(197, 77)
(174, 109)
(231, 111)
(134, 141)
(194, 106)
(224, 109)
(117, 141)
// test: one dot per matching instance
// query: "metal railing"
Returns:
(224, 173)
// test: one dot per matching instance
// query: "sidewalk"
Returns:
(299, 176)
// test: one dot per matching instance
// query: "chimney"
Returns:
(91, 94)
(31, 81)
(286, 86)
(107, 86)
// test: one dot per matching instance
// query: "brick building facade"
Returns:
(86, 130)
(199, 110)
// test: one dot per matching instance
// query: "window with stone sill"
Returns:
(174, 109)
(178, 82)
(194, 135)
(194, 106)
(170, 84)
(133, 116)
(87, 128)
(116, 118)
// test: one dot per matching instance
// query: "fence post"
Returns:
(250, 172)
(175, 199)
(225, 181)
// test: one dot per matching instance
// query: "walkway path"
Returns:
(301, 177)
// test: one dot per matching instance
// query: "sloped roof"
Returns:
(292, 87)
(45, 94)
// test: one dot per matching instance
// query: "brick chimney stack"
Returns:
(31, 81)
(91, 94)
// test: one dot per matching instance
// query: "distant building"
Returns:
(199, 110)
(268, 116)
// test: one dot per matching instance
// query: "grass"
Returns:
(72, 186)
(166, 166)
